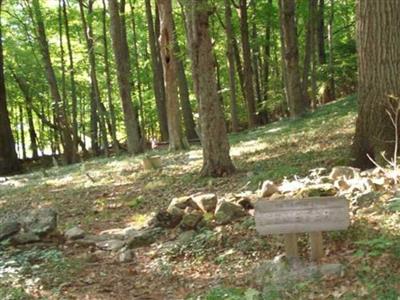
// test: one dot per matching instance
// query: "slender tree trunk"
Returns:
(96, 104)
(321, 33)
(291, 58)
(239, 68)
(113, 125)
(247, 68)
(137, 69)
(158, 80)
(214, 139)
(22, 130)
(231, 65)
(62, 120)
(255, 51)
(168, 58)
(74, 101)
(309, 48)
(378, 40)
(121, 54)
(331, 68)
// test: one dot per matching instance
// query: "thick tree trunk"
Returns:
(378, 40)
(121, 54)
(61, 118)
(291, 58)
(158, 80)
(214, 139)
(168, 58)
(247, 68)
(231, 65)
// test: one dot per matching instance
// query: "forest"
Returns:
(199, 149)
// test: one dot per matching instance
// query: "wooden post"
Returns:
(317, 250)
(291, 245)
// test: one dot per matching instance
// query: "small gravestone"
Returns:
(308, 215)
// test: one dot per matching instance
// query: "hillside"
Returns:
(107, 193)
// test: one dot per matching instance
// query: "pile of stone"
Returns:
(33, 226)
(198, 210)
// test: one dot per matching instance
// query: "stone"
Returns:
(40, 221)
(183, 202)
(25, 238)
(74, 233)
(365, 200)
(118, 233)
(110, 245)
(319, 190)
(167, 219)
(7, 229)
(206, 202)
(185, 237)
(346, 172)
(143, 238)
(190, 220)
(268, 188)
(227, 212)
(126, 255)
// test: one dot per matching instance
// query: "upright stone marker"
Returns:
(308, 215)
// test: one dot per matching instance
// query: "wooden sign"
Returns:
(301, 215)
(312, 215)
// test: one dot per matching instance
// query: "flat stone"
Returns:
(143, 238)
(74, 233)
(126, 255)
(346, 172)
(206, 202)
(110, 245)
(7, 229)
(119, 233)
(25, 238)
(183, 202)
(227, 212)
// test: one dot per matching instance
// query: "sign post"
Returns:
(308, 215)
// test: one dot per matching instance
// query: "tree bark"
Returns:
(290, 51)
(214, 139)
(158, 80)
(321, 33)
(331, 68)
(121, 54)
(168, 58)
(378, 40)
(247, 68)
(231, 66)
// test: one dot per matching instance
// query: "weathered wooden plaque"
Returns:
(313, 214)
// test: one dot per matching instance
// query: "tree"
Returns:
(121, 53)
(8, 157)
(168, 58)
(61, 117)
(378, 40)
(214, 139)
(158, 80)
(291, 58)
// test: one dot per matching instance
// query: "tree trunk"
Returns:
(231, 65)
(321, 33)
(96, 104)
(158, 80)
(61, 118)
(247, 69)
(378, 40)
(168, 58)
(214, 139)
(74, 101)
(331, 68)
(22, 130)
(113, 125)
(121, 54)
(291, 58)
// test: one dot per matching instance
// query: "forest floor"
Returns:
(106, 193)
